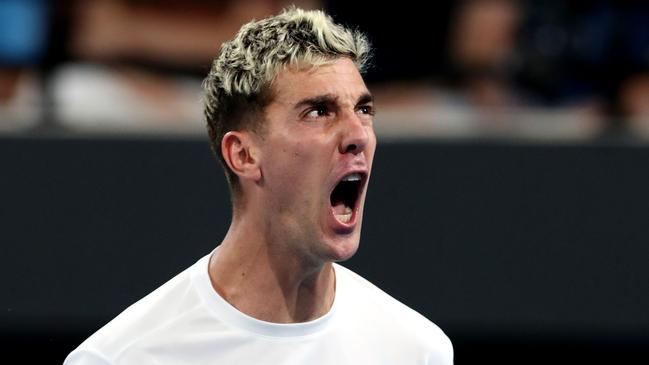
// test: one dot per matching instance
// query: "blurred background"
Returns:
(521, 69)
(514, 138)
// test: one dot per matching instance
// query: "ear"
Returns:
(240, 153)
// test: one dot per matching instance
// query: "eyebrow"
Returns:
(331, 99)
(366, 98)
(326, 99)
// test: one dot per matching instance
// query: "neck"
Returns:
(266, 279)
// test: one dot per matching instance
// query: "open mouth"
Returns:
(344, 197)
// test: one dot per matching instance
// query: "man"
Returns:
(291, 120)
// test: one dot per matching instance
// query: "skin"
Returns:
(275, 263)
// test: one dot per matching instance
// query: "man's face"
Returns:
(316, 156)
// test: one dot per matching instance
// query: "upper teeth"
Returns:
(352, 177)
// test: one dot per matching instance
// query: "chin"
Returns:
(343, 248)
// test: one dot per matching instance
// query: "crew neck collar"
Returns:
(229, 314)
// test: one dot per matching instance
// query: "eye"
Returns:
(317, 111)
(366, 109)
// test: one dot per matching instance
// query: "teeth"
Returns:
(346, 216)
(352, 177)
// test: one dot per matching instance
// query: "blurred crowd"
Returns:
(452, 68)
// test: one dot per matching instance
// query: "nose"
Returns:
(355, 135)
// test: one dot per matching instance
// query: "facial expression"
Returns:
(316, 156)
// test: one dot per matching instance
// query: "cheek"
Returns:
(297, 151)
(305, 154)
(292, 158)
(371, 149)
(297, 162)
(288, 166)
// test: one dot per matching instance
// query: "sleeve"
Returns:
(86, 357)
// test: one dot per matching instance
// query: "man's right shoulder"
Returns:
(149, 318)
(84, 356)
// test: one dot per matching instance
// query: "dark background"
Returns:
(522, 253)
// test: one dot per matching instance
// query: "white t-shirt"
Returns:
(186, 321)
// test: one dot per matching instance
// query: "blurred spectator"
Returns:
(477, 88)
(139, 63)
(184, 34)
(482, 50)
(518, 66)
(634, 103)
(554, 68)
(23, 33)
(579, 52)
(23, 26)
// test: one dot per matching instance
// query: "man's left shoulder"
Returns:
(387, 313)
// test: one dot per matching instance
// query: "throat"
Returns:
(271, 290)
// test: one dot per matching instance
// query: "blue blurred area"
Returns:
(23, 31)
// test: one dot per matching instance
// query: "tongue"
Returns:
(340, 208)
(342, 212)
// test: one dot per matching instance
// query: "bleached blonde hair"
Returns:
(238, 86)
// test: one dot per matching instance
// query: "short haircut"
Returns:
(238, 86)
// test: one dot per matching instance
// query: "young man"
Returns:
(290, 118)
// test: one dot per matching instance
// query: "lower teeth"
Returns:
(346, 216)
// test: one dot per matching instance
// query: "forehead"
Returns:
(340, 77)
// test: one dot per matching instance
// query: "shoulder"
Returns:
(406, 326)
(86, 357)
(159, 314)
